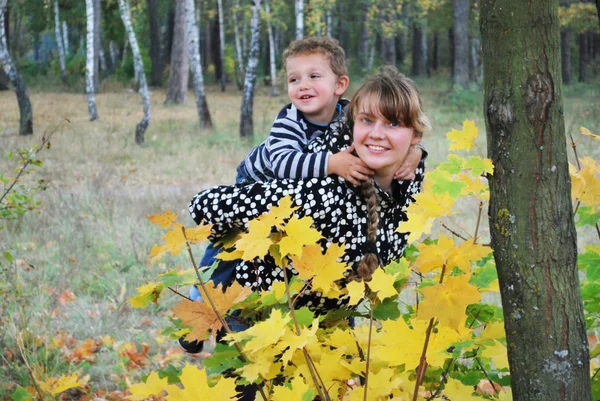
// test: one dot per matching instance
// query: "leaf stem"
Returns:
(478, 222)
(486, 375)
(454, 232)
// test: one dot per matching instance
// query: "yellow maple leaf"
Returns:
(477, 186)
(454, 390)
(201, 317)
(253, 246)
(381, 384)
(383, 284)
(463, 139)
(263, 334)
(585, 186)
(174, 240)
(295, 392)
(356, 290)
(298, 233)
(435, 255)
(164, 220)
(196, 387)
(278, 215)
(493, 331)
(417, 225)
(198, 234)
(153, 386)
(448, 301)
(587, 132)
(292, 342)
(146, 293)
(497, 353)
(56, 386)
(467, 253)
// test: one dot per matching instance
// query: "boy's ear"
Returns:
(342, 85)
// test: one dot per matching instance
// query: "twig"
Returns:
(486, 375)
(28, 161)
(478, 221)
(443, 379)
(317, 380)
(454, 232)
(219, 316)
(366, 386)
(595, 373)
(423, 361)
(180, 294)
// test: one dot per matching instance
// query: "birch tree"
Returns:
(65, 34)
(59, 43)
(240, 73)
(25, 110)
(90, 65)
(273, 69)
(299, 19)
(221, 44)
(246, 123)
(531, 216)
(196, 65)
(178, 76)
(138, 63)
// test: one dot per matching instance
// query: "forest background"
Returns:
(75, 252)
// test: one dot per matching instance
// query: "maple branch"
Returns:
(595, 373)
(317, 380)
(459, 226)
(219, 316)
(453, 232)
(180, 294)
(478, 221)
(423, 361)
(369, 349)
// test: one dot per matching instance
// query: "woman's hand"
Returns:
(409, 165)
(348, 166)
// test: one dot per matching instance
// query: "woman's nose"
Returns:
(376, 130)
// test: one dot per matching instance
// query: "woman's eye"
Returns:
(366, 120)
(292, 80)
(394, 125)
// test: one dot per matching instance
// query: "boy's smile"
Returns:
(313, 87)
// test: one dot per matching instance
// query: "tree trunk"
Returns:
(363, 44)
(460, 29)
(246, 123)
(97, 21)
(451, 50)
(26, 122)
(272, 63)
(238, 45)
(179, 73)
(222, 45)
(531, 216)
(168, 49)
(196, 65)
(584, 55)
(65, 38)
(419, 50)
(103, 64)
(112, 48)
(299, 19)
(155, 55)
(138, 63)
(59, 43)
(435, 59)
(329, 19)
(214, 54)
(90, 65)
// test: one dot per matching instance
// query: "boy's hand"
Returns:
(409, 165)
(348, 166)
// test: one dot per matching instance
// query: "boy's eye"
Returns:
(315, 76)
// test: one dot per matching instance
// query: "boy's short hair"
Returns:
(324, 45)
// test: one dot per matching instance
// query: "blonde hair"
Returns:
(328, 47)
(396, 97)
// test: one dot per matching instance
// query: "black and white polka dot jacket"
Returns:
(337, 208)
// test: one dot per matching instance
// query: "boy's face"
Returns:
(313, 87)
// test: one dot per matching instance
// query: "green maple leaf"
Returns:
(443, 182)
(388, 309)
(590, 262)
(454, 165)
(479, 165)
(587, 216)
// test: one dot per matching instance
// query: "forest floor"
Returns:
(81, 254)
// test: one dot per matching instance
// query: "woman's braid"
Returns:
(370, 260)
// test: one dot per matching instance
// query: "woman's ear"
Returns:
(342, 84)
(416, 138)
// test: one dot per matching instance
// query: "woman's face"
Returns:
(381, 144)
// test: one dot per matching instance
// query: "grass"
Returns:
(90, 236)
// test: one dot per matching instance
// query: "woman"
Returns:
(385, 119)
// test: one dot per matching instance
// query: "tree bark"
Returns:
(156, 58)
(112, 48)
(65, 34)
(460, 29)
(25, 110)
(238, 45)
(222, 45)
(565, 50)
(363, 44)
(451, 50)
(179, 74)
(329, 19)
(97, 20)
(90, 65)
(531, 216)
(246, 122)
(585, 43)
(419, 67)
(59, 43)
(196, 65)
(272, 61)
(138, 63)
(299, 18)
(435, 58)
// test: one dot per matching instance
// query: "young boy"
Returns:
(317, 77)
